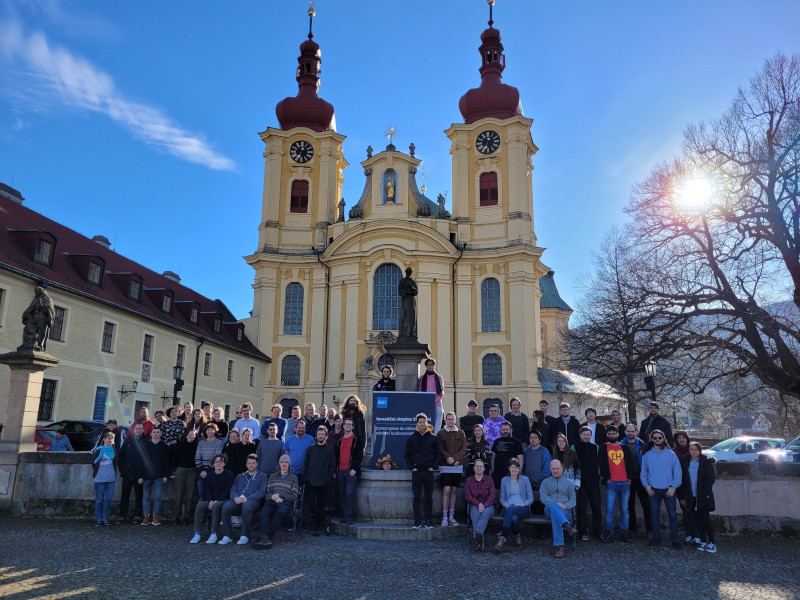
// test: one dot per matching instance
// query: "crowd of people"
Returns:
(511, 466)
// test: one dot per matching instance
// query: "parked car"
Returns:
(789, 453)
(742, 449)
(83, 435)
(42, 436)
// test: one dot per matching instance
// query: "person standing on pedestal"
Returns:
(431, 381)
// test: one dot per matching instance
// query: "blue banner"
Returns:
(100, 397)
(394, 420)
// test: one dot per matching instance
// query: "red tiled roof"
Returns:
(70, 246)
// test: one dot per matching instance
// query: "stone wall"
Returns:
(751, 497)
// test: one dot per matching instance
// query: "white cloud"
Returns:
(52, 71)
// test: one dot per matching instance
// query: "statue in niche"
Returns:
(407, 289)
(443, 214)
(340, 218)
(390, 190)
(37, 320)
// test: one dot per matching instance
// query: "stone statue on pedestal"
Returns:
(407, 289)
(38, 319)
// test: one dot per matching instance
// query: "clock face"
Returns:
(301, 151)
(487, 142)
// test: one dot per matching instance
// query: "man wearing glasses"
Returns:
(661, 476)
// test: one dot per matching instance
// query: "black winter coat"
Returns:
(706, 475)
(423, 451)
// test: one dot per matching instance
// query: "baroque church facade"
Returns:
(325, 289)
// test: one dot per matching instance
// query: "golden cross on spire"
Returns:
(391, 133)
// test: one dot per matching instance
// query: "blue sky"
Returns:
(139, 120)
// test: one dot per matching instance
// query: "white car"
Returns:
(742, 449)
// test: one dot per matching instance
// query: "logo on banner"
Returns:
(382, 402)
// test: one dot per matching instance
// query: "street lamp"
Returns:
(674, 404)
(177, 373)
(650, 378)
(123, 392)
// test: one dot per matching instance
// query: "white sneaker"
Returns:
(444, 521)
(452, 522)
(696, 541)
(688, 539)
(702, 547)
(212, 539)
(225, 540)
(243, 540)
(711, 548)
(195, 539)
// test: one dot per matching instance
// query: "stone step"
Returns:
(382, 531)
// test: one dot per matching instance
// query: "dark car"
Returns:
(83, 435)
(789, 453)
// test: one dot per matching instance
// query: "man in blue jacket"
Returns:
(661, 477)
(249, 489)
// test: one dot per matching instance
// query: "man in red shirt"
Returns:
(349, 454)
(144, 419)
(618, 465)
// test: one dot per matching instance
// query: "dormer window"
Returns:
(489, 189)
(239, 335)
(95, 274)
(166, 304)
(195, 315)
(217, 323)
(299, 197)
(135, 290)
(44, 251)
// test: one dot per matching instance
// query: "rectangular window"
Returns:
(217, 324)
(239, 335)
(147, 351)
(95, 274)
(252, 376)
(207, 365)
(134, 289)
(108, 337)
(166, 304)
(488, 183)
(57, 330)
(181, 355)
(230, 370)
(195, 315)
(299, 197)
(44, 250)
(47, 400)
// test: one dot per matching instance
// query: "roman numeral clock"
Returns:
(487, 142)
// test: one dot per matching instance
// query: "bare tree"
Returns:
(717, 270)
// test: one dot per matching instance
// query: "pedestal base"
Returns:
(407, 356)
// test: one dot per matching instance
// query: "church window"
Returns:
(290, 370)
(385, 299)
(488, 189)
(492, 370)
(490, 305)
(293, 310)
(299, 199)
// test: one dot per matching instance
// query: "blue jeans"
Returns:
(557, 517)
(480, 519)
(347, 493)
(655, 514)
(511, 516)
(152, 486)
(103, 495)
(614, 490)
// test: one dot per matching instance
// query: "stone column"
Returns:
(406, 363)
(19, 425)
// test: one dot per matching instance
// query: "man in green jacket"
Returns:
(557, 493)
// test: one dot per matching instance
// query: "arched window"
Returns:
(492, 370)
(488, 403)
(286, 406)
(490, 305)
(293, 310)
(290, 370)
(385, 360)
(299, 199)
(385, 299)
(489, 189)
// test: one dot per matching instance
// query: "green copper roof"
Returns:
(550, 296)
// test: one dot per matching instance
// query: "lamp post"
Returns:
(177, 373)
(123, 392)
(674, 404)
(650, 378)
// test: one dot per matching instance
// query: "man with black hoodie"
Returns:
(589, 491)
(653, 422)
(566, 424)
(422, 453)
(320, 465)
(130, 468)
(154, 474)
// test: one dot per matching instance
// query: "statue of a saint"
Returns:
(407, 289)
(390, 190)
(38, 319)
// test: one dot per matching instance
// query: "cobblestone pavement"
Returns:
(48, 559)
